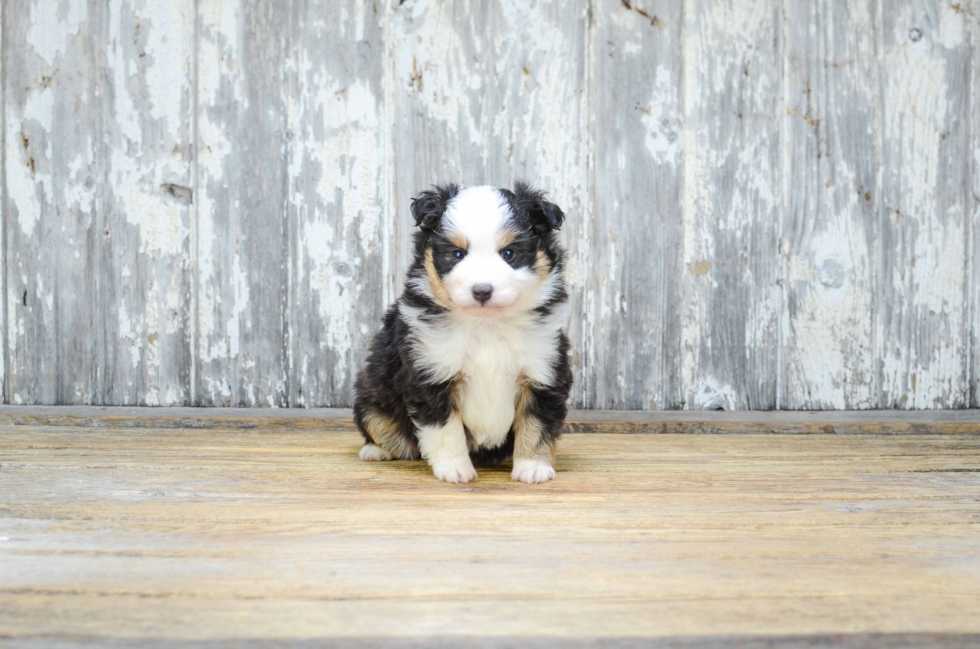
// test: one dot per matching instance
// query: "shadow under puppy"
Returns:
(471, 362)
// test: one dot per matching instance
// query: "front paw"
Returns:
(459, 470)
(532, 471)
(374, 453)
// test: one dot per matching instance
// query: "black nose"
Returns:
(482, 292)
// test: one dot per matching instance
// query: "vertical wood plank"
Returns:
(833, 156)
(103, 120)
(53, 180)
(337, 157)
(635, 242)
(923, 328)
(3, 218)
(147, 146)
(484, 93)
(732, 192)
(242, 233)
(973, 206)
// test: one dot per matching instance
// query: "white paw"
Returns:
(458, 470)
(532, 471)
(374, 453)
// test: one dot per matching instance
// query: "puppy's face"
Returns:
(489, 251)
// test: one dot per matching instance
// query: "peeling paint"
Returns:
(731, 194)
(922, 327)
(767, 202)
(829, 236)
(48, 32)
(664, 135)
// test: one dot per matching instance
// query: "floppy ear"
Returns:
(544, 216)
(429, 206)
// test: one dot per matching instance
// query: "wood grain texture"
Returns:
(923, 329)
(833, 161)
(147, 147)
(243, 236)
(99, 216)
(54, 201)
(337, 212)
(733, 111)
(973, 276)
(810, 641)
(635, 240)
(3, 220)
(260, 535)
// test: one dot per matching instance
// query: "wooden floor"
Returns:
(191, 537)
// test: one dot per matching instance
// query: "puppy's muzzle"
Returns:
(482, 293)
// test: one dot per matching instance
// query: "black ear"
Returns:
(429, 206)
(544, 216)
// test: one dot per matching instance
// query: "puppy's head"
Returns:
(487, 251)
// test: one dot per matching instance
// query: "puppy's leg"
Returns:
(385, 440)
(538, 418)
(374, 453)
(533, 455)
(439, 429)
(444, 448)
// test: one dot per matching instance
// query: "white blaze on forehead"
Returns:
(479, 213)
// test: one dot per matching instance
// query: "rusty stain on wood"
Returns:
(700, 267)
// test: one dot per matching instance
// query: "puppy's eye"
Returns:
(458, 254)
(507, 254)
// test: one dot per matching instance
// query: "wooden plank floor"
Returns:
(204, 536)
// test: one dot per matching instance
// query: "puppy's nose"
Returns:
(482, 292)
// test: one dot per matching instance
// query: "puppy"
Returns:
(471, 362)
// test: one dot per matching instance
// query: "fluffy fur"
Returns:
(471, 363)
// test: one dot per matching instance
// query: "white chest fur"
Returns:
(488, 384)
(488, 356)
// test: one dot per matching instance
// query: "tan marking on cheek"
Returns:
(459, 240)
(505, 238)
(435, 282)
(386, 433)
(542, 265)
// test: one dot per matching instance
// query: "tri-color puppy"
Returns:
(471, 362)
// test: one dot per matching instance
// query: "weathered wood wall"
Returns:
(771, 202)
